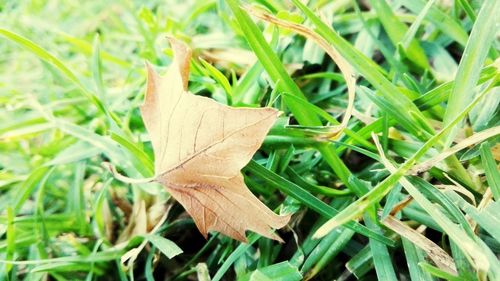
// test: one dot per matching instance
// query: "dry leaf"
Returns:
(200, 147)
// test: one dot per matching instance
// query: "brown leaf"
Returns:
(200, 147)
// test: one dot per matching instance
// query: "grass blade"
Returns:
(472, 61)
(491, 170)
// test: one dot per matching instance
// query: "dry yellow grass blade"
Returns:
(474, 139)
(344, 67)
(433, 251)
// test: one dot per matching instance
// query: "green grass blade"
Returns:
(491, 170)
(76, 197)
(397, 30)
(219, 78)
(366, 67)
(379, 192)
(325, 251)
(488, 219)
(414, 256)
(476, 51)
(282, 271)
(284, 83)
(408, 39)
(96, 67)
(468, 9)
(309, 200)
(380, 254)
(46, 56)
(240, 250)
(440, 19)
(246, 90)
(167, 247)
(28, 187)
(272, 64)
(439, 273)
(142, 161)
(361, 263)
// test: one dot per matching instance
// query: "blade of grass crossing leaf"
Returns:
(475, 53)
(284, 83)
(490, 170)
(144, 163)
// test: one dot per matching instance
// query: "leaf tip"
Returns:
(182, 56)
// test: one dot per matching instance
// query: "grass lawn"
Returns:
(386, 152)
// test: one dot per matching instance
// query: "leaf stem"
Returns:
(123, 178)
